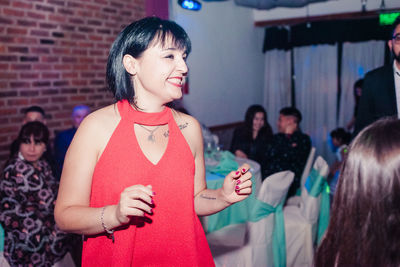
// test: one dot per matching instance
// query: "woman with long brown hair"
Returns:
(364, 228)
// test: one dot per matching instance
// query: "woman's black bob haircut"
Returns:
(35, 129)
(134, 40)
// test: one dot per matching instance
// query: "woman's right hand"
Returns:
(136, 200)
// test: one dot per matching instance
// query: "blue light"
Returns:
(190, 4)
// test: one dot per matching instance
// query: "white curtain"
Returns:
(315, 68)
(357, 59)
(277, 84)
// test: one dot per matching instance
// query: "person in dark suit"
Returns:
(381, 90)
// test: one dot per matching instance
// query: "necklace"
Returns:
(151, 137)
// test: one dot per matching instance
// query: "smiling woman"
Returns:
(123, 154)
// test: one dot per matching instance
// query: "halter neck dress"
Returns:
(173, 235)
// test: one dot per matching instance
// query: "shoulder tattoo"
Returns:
(181, 127)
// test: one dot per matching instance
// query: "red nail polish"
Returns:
(238, 181)
(243, 170)
(237, 173)
(154, 193)
(152, 202)
(237, 187)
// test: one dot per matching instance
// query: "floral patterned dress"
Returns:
(28, 195)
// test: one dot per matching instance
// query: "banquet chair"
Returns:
(305, 223)
(264, 239)
(295, 200)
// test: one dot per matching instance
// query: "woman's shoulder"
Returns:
(101, 118)
(185, 121)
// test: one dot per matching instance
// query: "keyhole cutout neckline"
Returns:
(161, 118)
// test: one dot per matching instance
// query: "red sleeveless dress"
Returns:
(173, 235)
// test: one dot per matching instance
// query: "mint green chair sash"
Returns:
(236, 214)
(261, 210)
(1, 239)
(315, 185)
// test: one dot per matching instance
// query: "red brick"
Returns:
(28, 93)
(40, 33)
(69, 75)
(58, 18)
(42, 67)
(36, 15)
(13, 12)
(41, 84)
(45, 8)
(7, 111)
(22, 5)
(21, 31)
(57, 2)
(66, 11)
(50, 92)
(78, 98)
(39, 101)
(5, 20)
(86, 91)
(61, 83)
(18, 102)
(59, 99)
(62, 67)
(18, 49)
(29, 75)
(50, 59)
(49, 26)
(40, 50)
(86, 44)
(26, 40)
(95, 37)
(20, 84)
(58, 50)
(76, 21)
(50, 75)
(69, 90)
(8, 75)
(80, 82)
(9, 58)
(23, 67)
(86, 60)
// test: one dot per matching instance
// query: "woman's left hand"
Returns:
(237, 185)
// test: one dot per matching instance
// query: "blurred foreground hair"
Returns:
(364, 228)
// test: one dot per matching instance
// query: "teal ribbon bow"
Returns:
(226, 163)
(261, 210)
(317, 184)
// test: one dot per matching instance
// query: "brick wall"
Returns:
(53, 53)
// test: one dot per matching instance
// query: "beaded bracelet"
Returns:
(108, 231)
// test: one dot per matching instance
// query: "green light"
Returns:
(388, 18)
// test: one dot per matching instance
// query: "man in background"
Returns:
(289, 148)
(63, 139)
(381, 89)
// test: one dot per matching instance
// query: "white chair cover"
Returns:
(301, 223)
(295, 200)
(256, 248)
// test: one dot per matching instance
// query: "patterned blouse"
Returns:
(28, 195)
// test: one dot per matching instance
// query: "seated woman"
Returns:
(27, 193)
(249, 140)
(364, 227)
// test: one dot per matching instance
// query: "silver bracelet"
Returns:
(108, 231)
